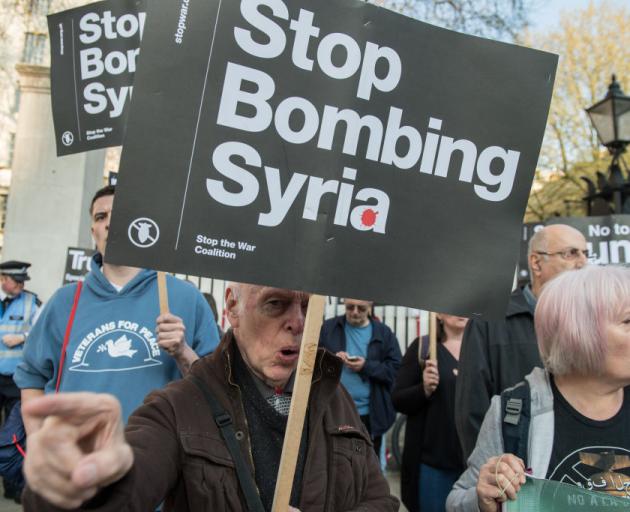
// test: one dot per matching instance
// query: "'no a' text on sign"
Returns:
(334, 147)
(94, 51)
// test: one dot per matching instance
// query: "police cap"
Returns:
(17, 270)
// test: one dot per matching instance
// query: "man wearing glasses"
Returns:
(497, 354)
(371, 358)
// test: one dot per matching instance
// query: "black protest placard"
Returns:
(94, 51)
(334, 147)
(78, 262)
(607, 237)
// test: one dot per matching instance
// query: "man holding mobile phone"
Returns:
(371, 357)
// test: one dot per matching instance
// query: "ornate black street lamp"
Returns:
(611, 119)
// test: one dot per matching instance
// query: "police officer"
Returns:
(18, 309)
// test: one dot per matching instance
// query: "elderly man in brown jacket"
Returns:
(173, 451)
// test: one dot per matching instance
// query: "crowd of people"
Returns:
(126, 408)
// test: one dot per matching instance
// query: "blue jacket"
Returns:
(113, 346)
(17, 319)
(381, 367)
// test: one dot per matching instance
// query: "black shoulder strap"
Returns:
(425, 348)
(423, 351)
(37, 301)
(516, 407)
(224, 422)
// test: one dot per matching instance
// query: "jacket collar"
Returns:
(518, 304)
(340, 320)
(101, 287)
(540, 389)
(327, 367)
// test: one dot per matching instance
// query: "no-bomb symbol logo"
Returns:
(143, 232)
(67, 138)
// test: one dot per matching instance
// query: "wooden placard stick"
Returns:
(299, 401)
(432, 336)
(162, 292)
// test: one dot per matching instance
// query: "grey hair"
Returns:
(237, 294)
(572, 314)
(538, 242)
(240, 291)
(237, 289)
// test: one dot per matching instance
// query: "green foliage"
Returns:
(562, 194)
(593, 43)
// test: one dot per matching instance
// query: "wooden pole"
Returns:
(299, 401)
(162, 292)
(432, 336)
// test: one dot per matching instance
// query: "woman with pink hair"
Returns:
(579, 430)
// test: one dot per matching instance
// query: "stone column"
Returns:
(47, 209)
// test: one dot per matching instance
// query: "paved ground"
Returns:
(392, 477)
(9, 506)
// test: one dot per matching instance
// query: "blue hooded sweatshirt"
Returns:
(113, 345)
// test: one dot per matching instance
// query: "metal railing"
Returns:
(407, 323)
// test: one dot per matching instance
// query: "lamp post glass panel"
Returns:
(611, 119)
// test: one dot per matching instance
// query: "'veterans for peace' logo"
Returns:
(110, 349)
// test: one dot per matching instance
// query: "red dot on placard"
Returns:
(368, 217)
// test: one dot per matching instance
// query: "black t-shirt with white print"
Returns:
(594, 455)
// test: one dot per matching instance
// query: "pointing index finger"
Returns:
(70, 405)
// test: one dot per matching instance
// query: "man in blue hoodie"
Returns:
(115, 345)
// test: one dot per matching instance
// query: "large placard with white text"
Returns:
(335, 147)
(93, 52)
(607, 239)
(78, 264)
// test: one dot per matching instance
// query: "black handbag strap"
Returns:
(224, 422)
(516, 404)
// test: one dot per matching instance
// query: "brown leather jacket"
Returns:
(181, 458)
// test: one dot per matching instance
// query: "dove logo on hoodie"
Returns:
(116, 347)
(143, 232)
(119, 348)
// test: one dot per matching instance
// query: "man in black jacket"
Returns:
(497, 355)
(371, 357)
(174, 448)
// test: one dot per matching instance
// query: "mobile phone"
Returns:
(352, 358)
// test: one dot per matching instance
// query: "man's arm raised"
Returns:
(171, 338)
(79, 448)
